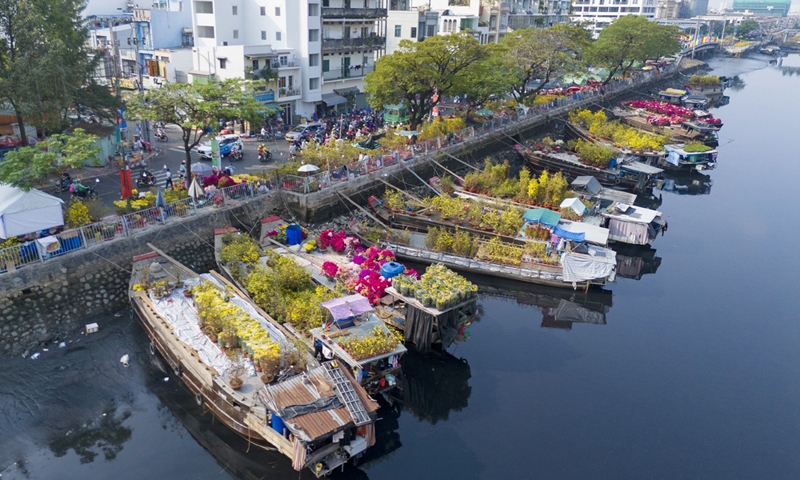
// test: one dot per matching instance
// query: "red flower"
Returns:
(330, 269)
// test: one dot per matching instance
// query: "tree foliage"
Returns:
(194, 107)
(45, 67)
(746, 27)
(541, 54)
(631, 39)
(484, 79)
(419, 73)
(59, 153)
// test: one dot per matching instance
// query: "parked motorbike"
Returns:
(161, 136)
(146, 179)
(80, 192)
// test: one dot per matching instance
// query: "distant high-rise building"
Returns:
(763, 7)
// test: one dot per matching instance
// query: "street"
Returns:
(170, 154)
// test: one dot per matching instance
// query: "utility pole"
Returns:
(124, 168)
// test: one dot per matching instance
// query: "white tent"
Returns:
(24, 212)
(575, 204)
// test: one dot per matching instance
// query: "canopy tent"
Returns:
(484, 112)
(543, 216)
(24, 212)
(346, 307)
(575, 204)
(202, 169)
(588, 183)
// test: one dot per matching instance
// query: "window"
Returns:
(313, 83)
(326, 3)
(203, 7)
(278, 36)
(235, 34)
(222, 63)
(205, 32)
(284, 60)
(413, 32)
(313, 10)
(255, 64)
(326, 65)
(431, 31)
(263, 11)
(263, 34)
(282, 82)
(397, 30)
(277, 11)
(313, 60)
(313, 35)
(235, 10)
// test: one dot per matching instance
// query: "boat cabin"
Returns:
(426, 326)
(352, 321)
(631, 224)
(672, 95)
(695, 101)
(679, 157)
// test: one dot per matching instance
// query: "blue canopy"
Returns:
(543, 216)
(574, 236)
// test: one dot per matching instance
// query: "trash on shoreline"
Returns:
(92, 328)
(125, 360)
(35, 356)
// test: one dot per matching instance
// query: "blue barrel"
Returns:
(294, 234)
(277, 424)
(391, 269)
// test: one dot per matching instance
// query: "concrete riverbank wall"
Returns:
(44, 302)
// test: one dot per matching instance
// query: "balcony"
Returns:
(277, 65)
(288, 92)
(331, 45)
(353, 13)
(343, 73)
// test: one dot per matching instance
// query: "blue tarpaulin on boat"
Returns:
(574, 236)
(543, 216)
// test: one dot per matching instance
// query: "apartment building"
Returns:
(408, 22)
(597, 14)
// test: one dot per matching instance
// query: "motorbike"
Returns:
(146, 179)
(161, 137)
(236, 154)
(264, 156)
(63, 184)
(88, 192)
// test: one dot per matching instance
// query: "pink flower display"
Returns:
(330, 269)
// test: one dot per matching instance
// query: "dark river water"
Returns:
(688, 372)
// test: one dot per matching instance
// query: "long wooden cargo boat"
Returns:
(319, 428)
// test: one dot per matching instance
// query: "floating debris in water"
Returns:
(35, 356)
(62, 345)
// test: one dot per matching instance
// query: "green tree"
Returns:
(632, 39)
(542, 54)
(194, 106)
(59, 153)
(419, 73)
(45, 67)
(746, 27)
(483, 79)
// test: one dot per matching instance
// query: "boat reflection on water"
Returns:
(560, 308)
(689, 182)
(634, 261)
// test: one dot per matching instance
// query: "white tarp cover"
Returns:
(575, 204)
(592, 233)
(599, 263)
(634, 214)
(24, 212)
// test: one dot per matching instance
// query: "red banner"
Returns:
(125, 181)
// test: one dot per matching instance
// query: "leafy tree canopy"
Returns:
(419, 73)
(631, 39)
(27, 165)
(542, 54)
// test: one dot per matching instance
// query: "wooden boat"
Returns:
(369, 371)
(678, 133)
(275, 416)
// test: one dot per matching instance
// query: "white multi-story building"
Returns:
(597, 14)
(320, 49)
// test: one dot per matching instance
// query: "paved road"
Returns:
(171, 154)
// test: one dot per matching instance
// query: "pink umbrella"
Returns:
(10, 141)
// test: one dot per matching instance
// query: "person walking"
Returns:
(168, 184)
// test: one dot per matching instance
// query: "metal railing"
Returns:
(288, 92)
(16, 256)
(336, 44)
(345, 72)
(355, 13)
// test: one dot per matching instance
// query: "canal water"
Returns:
(688, 370)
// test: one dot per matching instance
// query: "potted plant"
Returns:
(236, 373)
